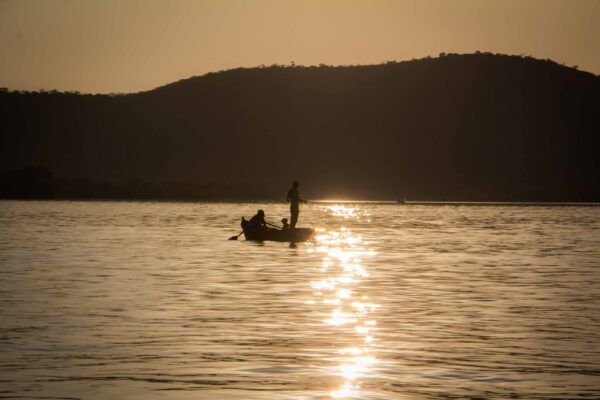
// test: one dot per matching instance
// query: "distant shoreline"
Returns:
(467, 203)
(503, 203)
(325, 202)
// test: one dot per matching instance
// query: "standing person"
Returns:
(293, 197)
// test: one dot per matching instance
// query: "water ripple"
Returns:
(141, 300)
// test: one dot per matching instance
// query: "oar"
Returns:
(236, 236)
(274, 226)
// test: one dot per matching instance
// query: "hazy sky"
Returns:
(132, 45)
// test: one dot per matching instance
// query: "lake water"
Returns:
(142, 300)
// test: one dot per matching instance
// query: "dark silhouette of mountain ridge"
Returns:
(456, 127)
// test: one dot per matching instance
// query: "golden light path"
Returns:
(340, 290)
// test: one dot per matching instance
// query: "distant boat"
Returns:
(294, 235)
(403, 201)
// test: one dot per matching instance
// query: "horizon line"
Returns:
(291, 65)
(461, 203)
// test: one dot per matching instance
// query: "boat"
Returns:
(292, 235)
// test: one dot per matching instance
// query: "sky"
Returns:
(120, 46)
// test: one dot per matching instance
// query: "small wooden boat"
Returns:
(294, 235)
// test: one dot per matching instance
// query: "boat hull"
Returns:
(277, 235)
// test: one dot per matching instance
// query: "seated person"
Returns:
(285, 224)
(258, 221)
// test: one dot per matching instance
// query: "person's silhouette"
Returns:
(293, 197)
(258, 221)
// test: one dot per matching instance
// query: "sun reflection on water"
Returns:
(340, 289)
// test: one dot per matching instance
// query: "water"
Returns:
(128, 300)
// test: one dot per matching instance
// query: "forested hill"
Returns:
(457, 127)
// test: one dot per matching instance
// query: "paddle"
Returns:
(236, 236)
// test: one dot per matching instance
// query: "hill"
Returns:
(457, 127)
